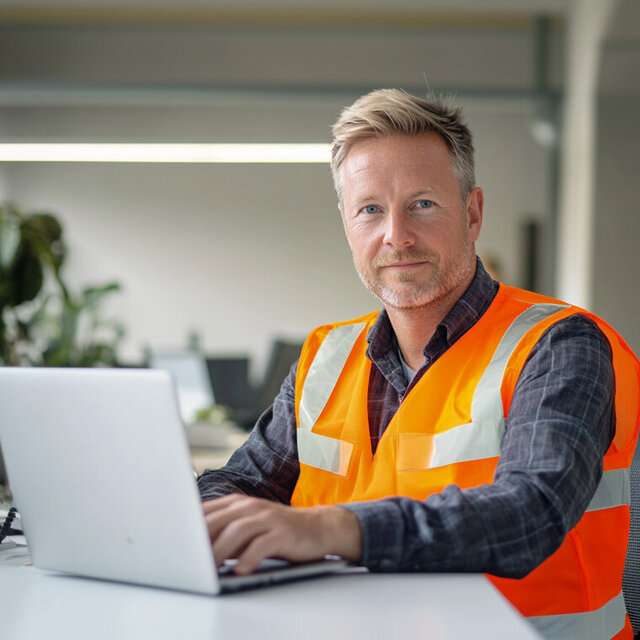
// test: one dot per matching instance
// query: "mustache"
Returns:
(405, 255)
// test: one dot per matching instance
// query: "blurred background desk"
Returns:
(212, 444)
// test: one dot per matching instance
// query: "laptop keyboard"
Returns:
(270, 564)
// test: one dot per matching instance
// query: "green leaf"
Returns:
(92, 296)
(48, 231)
(27, 276)
(46, 225)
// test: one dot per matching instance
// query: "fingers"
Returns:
(253, 529)
(216, 504)
(236, 537)
(221, 512)
(260, 548)
(234, 522)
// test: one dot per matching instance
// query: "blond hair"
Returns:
(386, 112)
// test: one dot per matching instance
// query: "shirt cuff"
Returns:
(381, 524)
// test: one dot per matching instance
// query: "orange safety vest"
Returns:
(455, 437)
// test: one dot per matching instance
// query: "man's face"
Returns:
(411, 235)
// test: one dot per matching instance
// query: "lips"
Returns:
(405, 265)
(411, 263)
(407, 259)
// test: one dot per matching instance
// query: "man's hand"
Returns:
(252, 529)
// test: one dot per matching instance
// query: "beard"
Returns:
(408, 289)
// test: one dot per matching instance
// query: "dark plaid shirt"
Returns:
(560, 424)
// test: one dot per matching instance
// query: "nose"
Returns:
(398, 229)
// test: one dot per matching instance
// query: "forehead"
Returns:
(397, 157)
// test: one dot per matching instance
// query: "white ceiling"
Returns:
(487, 25)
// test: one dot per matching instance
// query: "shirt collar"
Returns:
(463, 315)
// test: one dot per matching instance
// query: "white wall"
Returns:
(514, 172)
(240, 253)
(4, 186)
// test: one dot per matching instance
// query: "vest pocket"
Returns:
(414, 451)
(463, 443)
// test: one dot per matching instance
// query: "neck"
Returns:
(415, 327)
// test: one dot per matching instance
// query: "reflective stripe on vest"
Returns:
(614, 490)
(481, 437)
(604, 622)
(314, 449)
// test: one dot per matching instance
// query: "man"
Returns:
(463, 428)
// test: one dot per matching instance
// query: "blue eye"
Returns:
(424, 204)
(370, 208)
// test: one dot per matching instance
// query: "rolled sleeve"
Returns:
(382, 534)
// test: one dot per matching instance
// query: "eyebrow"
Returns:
(362, 199)
(426, 191)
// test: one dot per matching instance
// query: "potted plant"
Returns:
(41, 321)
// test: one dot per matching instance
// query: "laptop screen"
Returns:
(191, 378)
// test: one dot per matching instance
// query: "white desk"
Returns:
(37, 604)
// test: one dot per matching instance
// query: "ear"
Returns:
(475, 207)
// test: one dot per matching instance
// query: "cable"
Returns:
(6, 527)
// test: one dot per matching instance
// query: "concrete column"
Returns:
(587, 25)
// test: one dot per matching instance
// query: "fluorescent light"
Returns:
(161, 152)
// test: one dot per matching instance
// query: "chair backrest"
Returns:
(229, 377)
(283, 355)
(631, 580)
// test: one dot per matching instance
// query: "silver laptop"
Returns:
(100, 470)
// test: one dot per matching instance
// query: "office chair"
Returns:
(283, 355)
(231, 388)
(631, 579)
